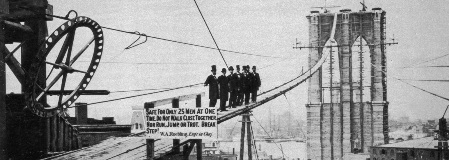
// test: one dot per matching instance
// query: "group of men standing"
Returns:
(236, 87)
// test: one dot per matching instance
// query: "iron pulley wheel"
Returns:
(64, 65)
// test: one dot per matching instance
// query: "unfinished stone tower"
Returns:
(347, 108)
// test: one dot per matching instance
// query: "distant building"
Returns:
(93, 131)
(417, 149)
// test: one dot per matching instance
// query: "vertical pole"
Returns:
(48, 134)
(150, 142)
(150, 149)
(185, 154)
(176, 142)
(199, 149)
(54, 133)
(66, 136)
(60, 142)
(242, 138)
(198, 101)
(199, 152)
(248, 136)
(3, 132)
(69, 137)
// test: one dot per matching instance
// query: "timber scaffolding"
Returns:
(339, 121)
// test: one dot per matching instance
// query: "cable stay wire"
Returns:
(411, 66)
(427, 80)
(414, 86)
(139, 95)
(210, 32)
(269, 135)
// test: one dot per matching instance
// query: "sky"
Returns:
(267, 28)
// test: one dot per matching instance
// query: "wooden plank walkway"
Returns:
(116, 148)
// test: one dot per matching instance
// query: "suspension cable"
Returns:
(410, 66)
(210, 32)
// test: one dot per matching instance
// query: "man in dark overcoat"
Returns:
(224, 89)
(255, 84)
(247, 84)
(211, 81)
(233, 88)
(239, 86)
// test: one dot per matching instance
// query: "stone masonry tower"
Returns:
(348, 123)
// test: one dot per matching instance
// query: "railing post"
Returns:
(248, 136)
(66, 136)
(198, 101)
(70, 136)
(150, 142)
(199, 149)
(54, 133)
(176, 142)
(242, 138)
(185, 153)
(150, 149)
(60, 140)
(48, 134)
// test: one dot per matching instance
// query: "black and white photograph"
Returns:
(224, 80)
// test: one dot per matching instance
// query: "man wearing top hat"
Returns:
(256, 84)
(223, 83)
(213, 87)
(239, 99)
(233, 88)
(247, 84)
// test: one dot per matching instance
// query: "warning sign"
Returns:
(181, 123)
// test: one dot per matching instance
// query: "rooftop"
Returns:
(426, 142)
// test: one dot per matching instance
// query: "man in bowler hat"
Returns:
(223, 83)
(213, 87)
(233, 88)
(256, 84)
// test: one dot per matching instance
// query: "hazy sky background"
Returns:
(252, 26)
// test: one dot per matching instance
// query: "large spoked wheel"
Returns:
(67, 73)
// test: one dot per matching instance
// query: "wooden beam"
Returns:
(176, 142)
(150, 149)
(3, 132)
(81, 92)
(248, 136)
(170, 100)
(150, 142)
(48, 134)
(14, 65)
(60, 141)
(199, 149)
(54, 133)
